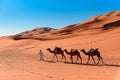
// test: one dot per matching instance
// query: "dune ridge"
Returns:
(95, 25)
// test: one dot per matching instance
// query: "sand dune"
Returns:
(19, 59)
(95, 25)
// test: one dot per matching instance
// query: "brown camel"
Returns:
(93, 52)
(57, 51)
(73, 53)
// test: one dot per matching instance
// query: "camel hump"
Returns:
(57, 49)
(92, 49)
(74, 50)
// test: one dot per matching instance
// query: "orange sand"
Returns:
(20, 60)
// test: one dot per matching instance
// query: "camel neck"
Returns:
(50, 50)
(85, 52)
(66, 51)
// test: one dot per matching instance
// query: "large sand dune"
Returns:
(95, 25)
(19, 59)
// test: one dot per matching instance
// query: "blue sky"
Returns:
(20, 15)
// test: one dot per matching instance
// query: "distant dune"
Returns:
(33, 34)
(95, 25)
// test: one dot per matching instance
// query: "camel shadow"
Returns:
(109, 65)
(50, 61)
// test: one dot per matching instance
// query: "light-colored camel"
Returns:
(74, 53)
(56, 52)
(93, 52)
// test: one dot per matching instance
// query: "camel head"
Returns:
(97, 49)
(48, 49)
(82, 50)
(64, 49)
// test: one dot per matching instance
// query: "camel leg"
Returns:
(80, 59)
(77, 59)
(98, 60)
(93, 59)
(57, 57)
(88, 59)
(53, 57)
(71, 59)
(64, 57)
(102, 59)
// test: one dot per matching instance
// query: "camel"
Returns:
(93, 52)
(73, 53)
(57, 51)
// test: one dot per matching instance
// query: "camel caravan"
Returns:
(74, 52)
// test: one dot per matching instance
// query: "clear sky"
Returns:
(20, 15)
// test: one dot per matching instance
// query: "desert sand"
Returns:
(19, 59)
